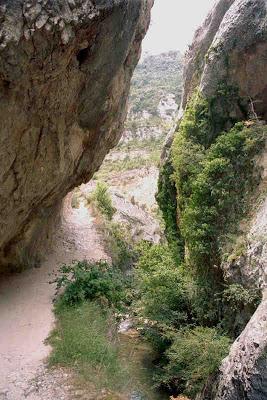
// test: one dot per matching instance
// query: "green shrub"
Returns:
(239, 304)
(162, 287)
(194, 355)
(118, 244)
(220, 192)
(237, 296)
(166, 199)
(91, 281)
(213, 184)
(83, 340)
(214, 172)
(103, 200)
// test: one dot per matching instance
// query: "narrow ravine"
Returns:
(26, 307)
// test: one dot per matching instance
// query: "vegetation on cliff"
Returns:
(212, 175)
(177, 292)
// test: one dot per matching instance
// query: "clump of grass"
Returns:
(85, 340)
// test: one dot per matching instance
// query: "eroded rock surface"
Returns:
(244, 370)
(230, 48)
(65, 69)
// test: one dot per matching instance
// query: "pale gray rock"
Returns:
(237, 55)
(244, 372)
(203, 39)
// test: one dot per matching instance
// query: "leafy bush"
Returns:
(220, 192)
(213, 180)
(91, 281)
(237, 297)
(166, 199)
(162, 287)
(103, 200)
(83, 340)
(215, 172)
(194, 355)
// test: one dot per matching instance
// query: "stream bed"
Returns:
(137, 354)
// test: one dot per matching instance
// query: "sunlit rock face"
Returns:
(202, 42)
(65, 69)
(230, 47)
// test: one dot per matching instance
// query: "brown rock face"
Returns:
(65, 69)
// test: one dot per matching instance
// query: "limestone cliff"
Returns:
(155, 96)
(65, 69)
(225, 82)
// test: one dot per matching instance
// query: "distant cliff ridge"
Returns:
(155, 96)
(65, 70)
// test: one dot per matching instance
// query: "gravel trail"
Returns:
(26, 316)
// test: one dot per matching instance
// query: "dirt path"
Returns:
(26, 316)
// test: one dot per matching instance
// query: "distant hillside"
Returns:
(155, 96)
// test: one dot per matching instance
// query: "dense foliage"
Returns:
(204, 191)
(213, 183)
(162, 287)
(194, 355)
(166, 199)
(83, 280)
(169, 300)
